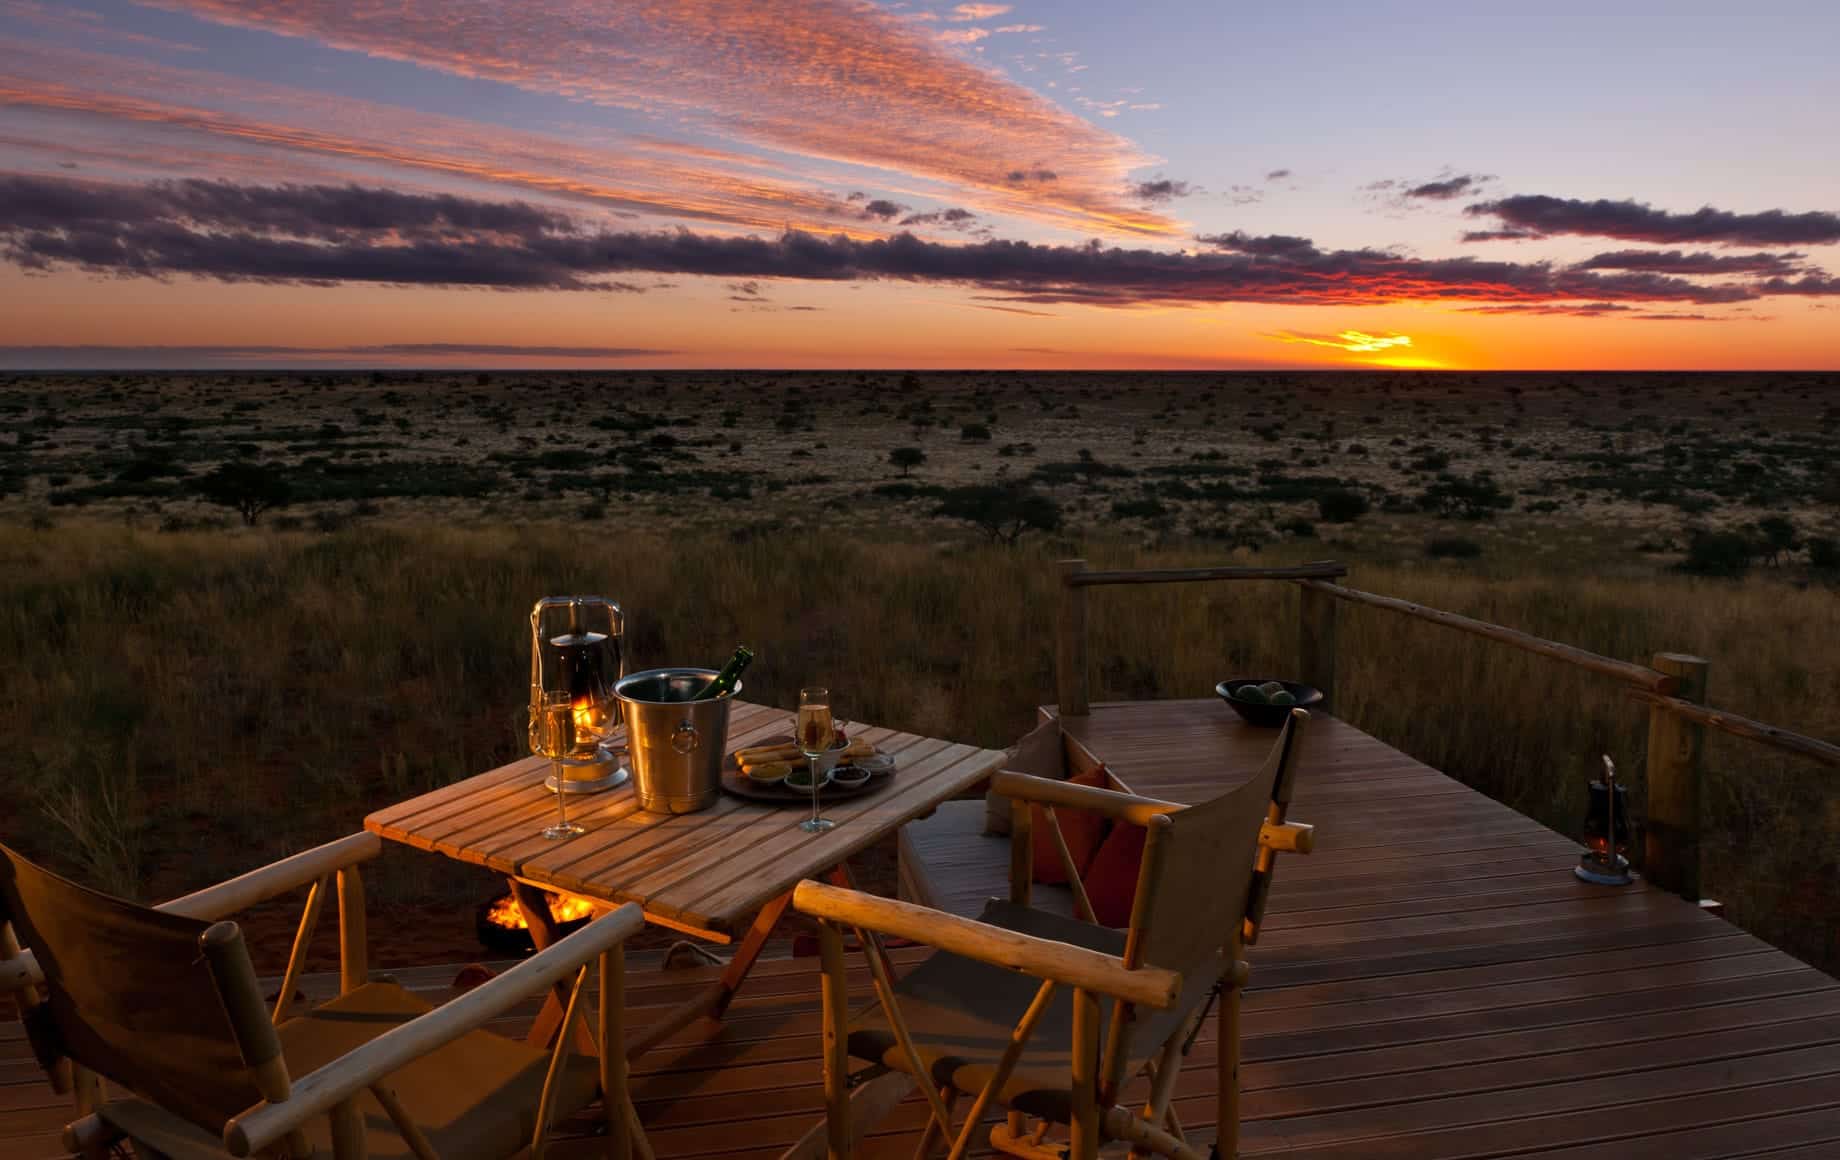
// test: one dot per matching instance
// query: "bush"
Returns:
(1144, 509)
(1341, 507)
(1452, 548)
(1477, 497)
(974, 433)
(1723, 554)
(1298, 526)
(1823, 553)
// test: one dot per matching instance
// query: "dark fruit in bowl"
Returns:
(1266, 702)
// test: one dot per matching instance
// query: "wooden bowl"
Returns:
(1266, 716)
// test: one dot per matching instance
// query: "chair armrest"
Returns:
(1128, 807)
(277, 878)
(1043, 958)
(1288, 837)
(318, 1090)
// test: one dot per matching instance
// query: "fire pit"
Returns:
(502, 929)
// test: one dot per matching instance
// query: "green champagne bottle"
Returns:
(725, 681)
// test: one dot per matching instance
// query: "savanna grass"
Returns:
(184, 706)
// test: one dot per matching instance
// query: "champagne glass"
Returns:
(552, 735)
(815, 733)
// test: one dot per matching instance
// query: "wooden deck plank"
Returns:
(1431, 984)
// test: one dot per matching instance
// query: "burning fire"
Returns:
(565, 908)
(587, 723)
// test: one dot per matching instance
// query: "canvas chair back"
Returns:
(1195, 886)
(128, 994)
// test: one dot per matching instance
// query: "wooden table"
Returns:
(724, 872)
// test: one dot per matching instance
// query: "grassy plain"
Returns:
(184, 703)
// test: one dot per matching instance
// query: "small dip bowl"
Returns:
(800, 777)
(850, 776)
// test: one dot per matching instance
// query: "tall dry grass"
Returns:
(179, 707)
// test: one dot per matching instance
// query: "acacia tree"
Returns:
(1003, 512)
(1779, 536)
(250, 488)
(906, 458)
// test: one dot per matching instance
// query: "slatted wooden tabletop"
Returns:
(709, 871)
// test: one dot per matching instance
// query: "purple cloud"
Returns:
(1542, 216)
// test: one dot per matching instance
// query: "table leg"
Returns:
(749, 950)
(533, 904)
(714, 999)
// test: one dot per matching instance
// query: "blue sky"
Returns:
(891, 161)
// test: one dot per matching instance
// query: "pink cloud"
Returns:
(828, 79)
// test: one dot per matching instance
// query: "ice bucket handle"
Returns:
(683, 738)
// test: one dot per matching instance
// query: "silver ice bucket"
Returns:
(677, 744)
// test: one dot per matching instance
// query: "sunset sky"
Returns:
(778, 183)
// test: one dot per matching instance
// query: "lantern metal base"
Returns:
(591, 775)
(1604, 870)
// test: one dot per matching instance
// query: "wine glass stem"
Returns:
(814, 786)
(562, 799)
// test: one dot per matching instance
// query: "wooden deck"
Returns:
(1433, 984)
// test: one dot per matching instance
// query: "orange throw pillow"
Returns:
(1111, 879)
(1083, 829)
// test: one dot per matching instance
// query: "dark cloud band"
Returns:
(328, 235)
(1541, 216)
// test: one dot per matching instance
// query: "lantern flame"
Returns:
(565, 908)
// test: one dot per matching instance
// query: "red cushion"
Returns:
(1083, 829)
(1111, 879)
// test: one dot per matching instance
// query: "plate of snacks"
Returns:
(775, 772)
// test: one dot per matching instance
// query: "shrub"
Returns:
(1146, 509)
(1452, 548)
(1341, 507)
(1298, 526)
(1724, 554)
(1477, 497)
(906, 458)
(1823, 553)
(974, 433)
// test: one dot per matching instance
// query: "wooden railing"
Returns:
(1673, 687)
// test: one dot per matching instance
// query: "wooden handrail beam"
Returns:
(1789, 741)
(1640, 676)
(1320, 570)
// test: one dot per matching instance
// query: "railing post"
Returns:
(1670, 855)
(1070, 644)
(1316, 640)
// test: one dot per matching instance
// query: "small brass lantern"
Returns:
(1606, 833)
(575, 649)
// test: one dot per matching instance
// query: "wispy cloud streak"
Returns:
(839, 80)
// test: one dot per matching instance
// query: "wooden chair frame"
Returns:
(333, 1089)
(1099, 1060)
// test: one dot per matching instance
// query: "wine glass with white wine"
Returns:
(552, 735)
(815, 733)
